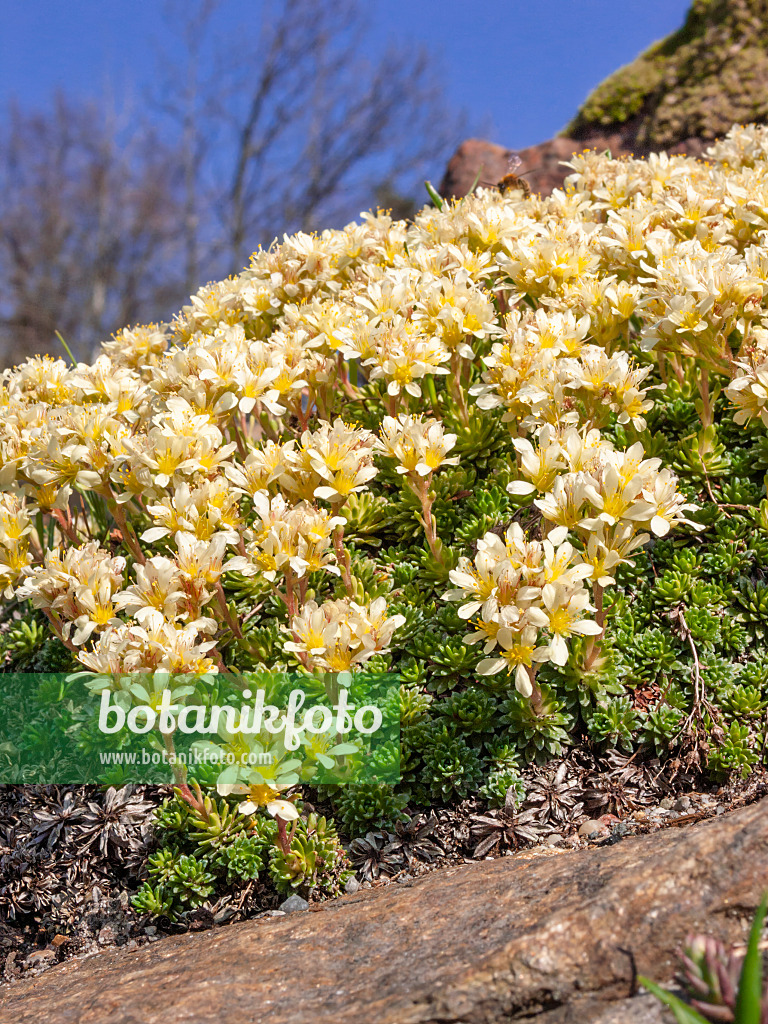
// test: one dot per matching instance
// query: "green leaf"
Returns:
(288, 780)
(344, 748)
(66, 348)
(472, 186)
(750, 993)
(434, 194)
(684, 1014)
(200, 747)
(229, 776)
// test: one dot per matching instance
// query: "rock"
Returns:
(352, 885)
(543, 166)
(591, 828)
(11, 969)
(680, 95)
(474, 161)
(689, 88)
(42, 958)
(223, 915)
(294, 903)
(549, 939)
(682, 804)
(667, 803)
(477, 161)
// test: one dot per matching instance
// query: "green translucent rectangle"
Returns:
(271, 728)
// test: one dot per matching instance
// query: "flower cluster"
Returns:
(340, 634)
(531, 599)
(233, 488)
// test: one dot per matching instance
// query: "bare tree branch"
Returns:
(88, 228)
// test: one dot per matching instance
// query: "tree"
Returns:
(88, 226)
(295, 127)
(282, 125)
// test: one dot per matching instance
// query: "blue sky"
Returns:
(519, 68)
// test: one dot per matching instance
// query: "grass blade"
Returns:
(684, 1014)
(750, 993)
(66, 348)
(434, 195)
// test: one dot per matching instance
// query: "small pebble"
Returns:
(553, 840)
(667, 803)
(352, 885)
(150, 930)
(42, 958)
(682, 804)
(293, 904)
(106, 935)
(591, 828)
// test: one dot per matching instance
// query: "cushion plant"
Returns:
(513, 452)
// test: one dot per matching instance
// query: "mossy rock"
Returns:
(696, 83)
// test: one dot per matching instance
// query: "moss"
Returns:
(697, 82)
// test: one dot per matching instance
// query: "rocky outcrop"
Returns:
(693, 85)
(679, 95)
(484, 163)
(474, 162)
(546, 936)
(543, 166)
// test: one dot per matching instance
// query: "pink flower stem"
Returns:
(230, 621)
(537, 701)
(284, 838)
(342, 557)
(428, 520)
(593, 646)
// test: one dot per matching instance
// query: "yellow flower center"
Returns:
(560, 621)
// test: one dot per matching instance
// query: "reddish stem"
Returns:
(342, 557)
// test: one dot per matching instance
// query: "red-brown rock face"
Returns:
(541, 166)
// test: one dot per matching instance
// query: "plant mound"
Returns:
(513, 451)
